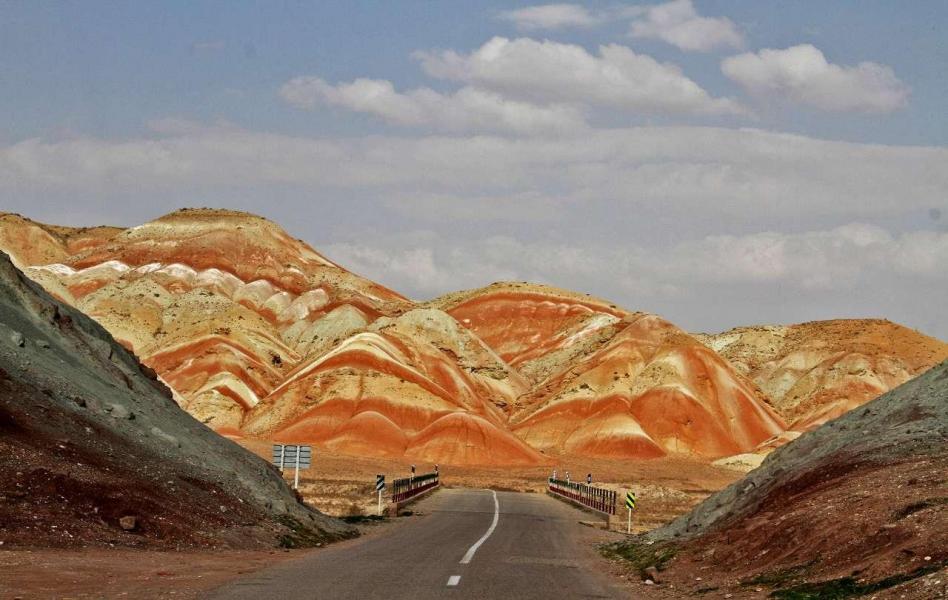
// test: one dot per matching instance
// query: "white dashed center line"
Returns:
(453, 580)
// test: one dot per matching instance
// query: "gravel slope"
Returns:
(89, 436)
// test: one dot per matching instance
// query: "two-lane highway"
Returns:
(468, 544)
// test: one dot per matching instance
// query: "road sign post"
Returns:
(288, 455)
(379, 487)
(630, 504)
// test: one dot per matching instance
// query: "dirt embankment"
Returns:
(93, 450)
(855, 507)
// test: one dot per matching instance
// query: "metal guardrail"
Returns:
(403, 489)
(595, 498)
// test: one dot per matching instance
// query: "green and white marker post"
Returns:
(630, 504)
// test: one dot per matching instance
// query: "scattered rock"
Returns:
(119, 411)
(128, 523)
(651, 573)
(166, 437)
(649, 582)
(42, 343)
(17, 338)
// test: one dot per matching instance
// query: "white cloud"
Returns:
(551, 72)
(827, 260)
(468, 109)
(830, 259)
(577, 211)
(550, 16)
(710, 283)
(802, 74)
(736, 174)
(180, 126)
(679, 24)
(526, 206)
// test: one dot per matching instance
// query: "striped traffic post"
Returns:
(379, 487)
(630, 504)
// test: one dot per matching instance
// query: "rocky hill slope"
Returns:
(858, 504)
(418, 384)
(221, 304)
(817, 371)
(31, 243)
(610, 383)
(259, 335)
(93, 449)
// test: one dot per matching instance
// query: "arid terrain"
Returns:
(96, 451)
(857, 506)
(343, 485)
(814, 372)
(262, 338)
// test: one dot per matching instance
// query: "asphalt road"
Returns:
(464, 545)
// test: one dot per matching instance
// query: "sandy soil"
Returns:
(123, 573)
(128, 573)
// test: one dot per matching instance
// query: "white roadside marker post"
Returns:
(296, 477)
(379, 486)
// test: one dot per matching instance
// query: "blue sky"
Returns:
(109, 68)
(719, 163)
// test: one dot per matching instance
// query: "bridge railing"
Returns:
(403, 489)
(590, 496)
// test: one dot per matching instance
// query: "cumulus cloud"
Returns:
(576, 211)
(802, 74)
(526, 206)
(738, 174)
(822, 260)
(679, 24)
(551, 72)
(468, 109)
(820, 267)
(550, 16)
